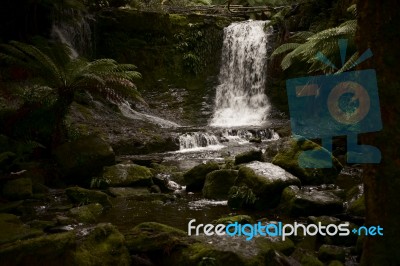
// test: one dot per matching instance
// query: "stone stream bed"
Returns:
(137, 211)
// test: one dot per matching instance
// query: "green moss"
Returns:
(121, 175)
(328, 252)
(103, 246)
(178, 20)
(195, 177)
(20, 188)
(218, 183)
(12, 229)
(241, 219)
(81, 196)
(310, 260)
(87, 213)
(249, 156)
(286, 247)
(357, 207)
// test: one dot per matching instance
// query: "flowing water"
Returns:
(240, 98)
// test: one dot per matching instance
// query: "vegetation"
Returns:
(54, 74)
(304, 46)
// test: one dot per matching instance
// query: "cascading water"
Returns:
(198, 140)
(73, 29)
(240, 98)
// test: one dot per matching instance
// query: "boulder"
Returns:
(84, 158)
(83, 196)
(328, 252)
(195, 177)
(87, 213)
(165, 184)
(126, 175)
(304, 202)
(288, 157)
(99, 245)
(13, 229)
(267, 182)
(128, 191)
(240, 219)
(357, 207)
(17, 189)
(249, 156)
(218, 184)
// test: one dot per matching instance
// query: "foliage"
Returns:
(304, 46)
(244, 194)
(52, 71)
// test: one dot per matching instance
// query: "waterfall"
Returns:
(240, 98)
(73, 29)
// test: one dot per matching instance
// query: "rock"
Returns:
(155, 237)
(298, 202)
(286, 247)
(13, 229)
(17, 189)
(267, 181)
(125, 175)
(11, 207)
(128, 191)
(335, 263)
(99, 245)
(328, 252)
(240, 219)
(64, 220)
(195, 177)
(357, 207)
(306, 257)
(165, 184)
(84, 158)
(249, 156)
(6, 160)
(218, 184)
(288, 157)
(241, 197)
(87, 213)
(155, 189)
(85, 196)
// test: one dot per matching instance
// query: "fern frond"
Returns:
(285, 48)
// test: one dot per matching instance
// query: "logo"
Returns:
(341, 104)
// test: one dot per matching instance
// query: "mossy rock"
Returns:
(81, 196)
(128, 191)
(298, 202)
(328, 252)
(286, 246)
(87, 213)
(55, 249)
(218, 183)
(249, 156)
(155, 237)
(125, 175)
(104, 245)
(84, 158)
(195, 177)
(13, 229)
(357, 207)
(335, 263)
(306, 257)
(17, 189)
(267, 182)
(100, 245)
(240, 219)
(288, 157)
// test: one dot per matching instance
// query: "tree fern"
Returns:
(52, 67)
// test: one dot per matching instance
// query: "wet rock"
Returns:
(155, 189)
(84, 158)
(304, 202)
(42, 224)
(218, 184)
(286, 247)
(249, 156)
(328, 252)
(86, 196)
(267, 181)
(240, 219)
(17, 189)
(13, 229)
(125, 175)
(288, 156)
(165, 184)
(64, 220)
(99, 245)
(306, 257)
(195, 177)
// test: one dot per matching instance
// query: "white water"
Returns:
(198, 141)
(128, 112)
(240, 98)
(73, 29)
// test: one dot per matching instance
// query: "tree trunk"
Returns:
(379, 29)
